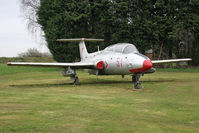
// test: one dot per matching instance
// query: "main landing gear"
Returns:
(136, 81)
(75, 80)
(72, 74)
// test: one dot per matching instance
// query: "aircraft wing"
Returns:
(170, 61)
(78, 65)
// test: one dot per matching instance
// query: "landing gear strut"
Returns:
(72, 74)
(136, 81)
(75, 79)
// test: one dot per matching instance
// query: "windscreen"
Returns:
(130, 49)
(125, 48)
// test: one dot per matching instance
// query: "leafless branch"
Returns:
(29, 10)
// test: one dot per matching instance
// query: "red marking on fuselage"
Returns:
(82, 50)
(106, 64)
(100, 65)
(147, 64)
(118, 62)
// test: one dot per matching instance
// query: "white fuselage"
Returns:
(115, 63)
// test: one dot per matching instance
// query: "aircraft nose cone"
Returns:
(147, 64)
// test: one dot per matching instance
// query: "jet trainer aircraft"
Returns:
(118, 59)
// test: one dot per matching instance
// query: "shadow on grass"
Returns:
(43, 85)
(85, 83)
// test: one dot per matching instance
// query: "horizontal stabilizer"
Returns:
(170, 61)
(80, 39)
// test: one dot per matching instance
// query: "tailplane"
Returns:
(82, 47)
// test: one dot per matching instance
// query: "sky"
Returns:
(14, 36)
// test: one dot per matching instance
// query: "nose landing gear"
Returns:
(136, 81)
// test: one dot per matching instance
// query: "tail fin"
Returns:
(82, 47)
(83, 50)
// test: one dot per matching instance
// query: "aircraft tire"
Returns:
(76, 82)
(137, 86)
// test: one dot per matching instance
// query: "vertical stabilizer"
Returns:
(82, 50)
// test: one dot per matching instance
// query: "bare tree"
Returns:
(29, 10)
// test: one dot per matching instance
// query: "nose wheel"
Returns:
(136, 81)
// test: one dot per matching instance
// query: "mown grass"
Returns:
(5, 70)
(41, 100)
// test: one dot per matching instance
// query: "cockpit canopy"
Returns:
(124, 48)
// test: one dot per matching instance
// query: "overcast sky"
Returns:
(14, 36)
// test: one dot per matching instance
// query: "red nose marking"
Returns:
(147, 64)
(100, 65)
(9, 63)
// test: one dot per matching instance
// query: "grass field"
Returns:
(37, 100)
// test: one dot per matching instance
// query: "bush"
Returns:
(33, 52)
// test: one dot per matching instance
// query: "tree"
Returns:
(162, 25)
(29, 10)
(82, 18)
(187, 30)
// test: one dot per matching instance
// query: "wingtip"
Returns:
(9, 63)
(189, 59)
(83, 39)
